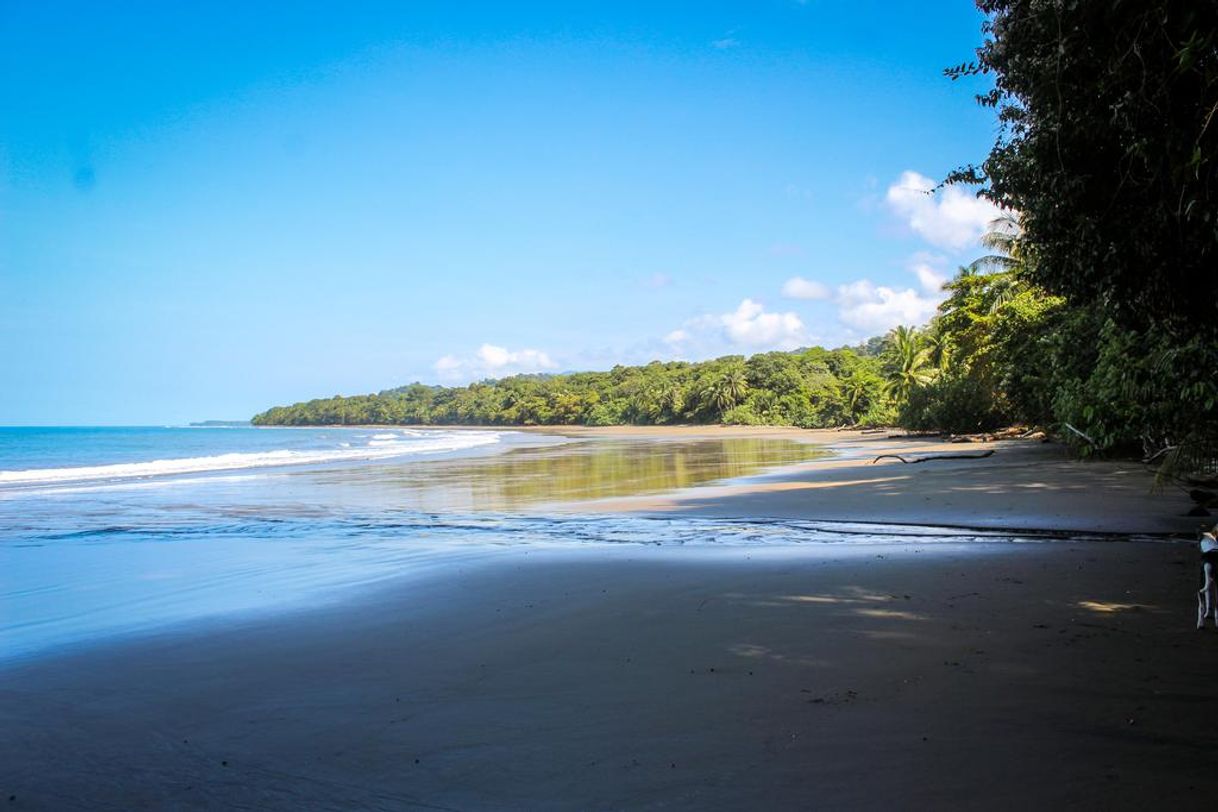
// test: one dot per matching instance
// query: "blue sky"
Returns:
(208, 210)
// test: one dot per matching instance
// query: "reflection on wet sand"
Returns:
(598, 469)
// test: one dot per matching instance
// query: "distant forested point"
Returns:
(810, 388)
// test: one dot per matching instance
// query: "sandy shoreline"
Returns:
(921, 676)
(1025, 485)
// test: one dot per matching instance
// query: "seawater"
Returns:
(106, 531)
(57, 455)
(111, 531)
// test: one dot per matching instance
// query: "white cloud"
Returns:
(873, 308)
(494, 357)
(750, 326)
(799, 288)
(950, 218)
(725, 43)
(500, 358)
(923, 265)
(493, 361)
(878, 308)
(930, 279)
(448, 363)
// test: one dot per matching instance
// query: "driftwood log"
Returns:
(915, 460)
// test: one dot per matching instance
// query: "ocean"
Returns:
(118, 531)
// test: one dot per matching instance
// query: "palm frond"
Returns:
(991, 263)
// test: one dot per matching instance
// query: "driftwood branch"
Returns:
(916, 460)
(1159, 453)
(1082, 434)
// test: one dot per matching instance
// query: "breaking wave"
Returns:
(376, 447)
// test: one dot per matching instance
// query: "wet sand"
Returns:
(916, 675)
(1024, 485)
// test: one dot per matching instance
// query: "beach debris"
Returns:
(916, 460)
(838, 698)
(1009, 433)
(1082, 434)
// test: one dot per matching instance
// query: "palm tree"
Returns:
(1006, 259)
(645, 405)
(672, 400)
(855, 392)
(938, 347)
(728, 390)
(1003, 241)
(909, 365)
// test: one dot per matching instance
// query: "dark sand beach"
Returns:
(911, 674)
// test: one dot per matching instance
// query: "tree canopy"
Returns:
(811, 388)
(1109, 149)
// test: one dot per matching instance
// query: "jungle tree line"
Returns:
(1104, 321)
(809, 388)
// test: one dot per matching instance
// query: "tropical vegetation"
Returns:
(1108, 151)
(810, 388)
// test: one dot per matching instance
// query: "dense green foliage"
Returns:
(1108, 150)
(810, 388)
(995, 354)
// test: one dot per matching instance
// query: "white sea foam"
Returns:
(417, 443)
